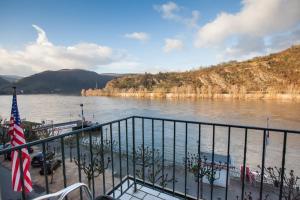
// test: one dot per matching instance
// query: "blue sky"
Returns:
(136, 36)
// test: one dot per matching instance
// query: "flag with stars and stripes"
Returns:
(17, 138)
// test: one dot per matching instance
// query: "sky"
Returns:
(138, 36)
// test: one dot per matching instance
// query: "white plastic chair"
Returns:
(60, 195)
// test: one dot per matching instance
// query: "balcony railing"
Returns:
(186, 159)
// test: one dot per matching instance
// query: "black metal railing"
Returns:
(177, 157)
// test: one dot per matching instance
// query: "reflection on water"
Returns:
(283, 115)
(101, 109)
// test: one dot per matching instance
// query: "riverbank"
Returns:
(172, 95)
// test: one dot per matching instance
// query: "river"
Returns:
(281, 114)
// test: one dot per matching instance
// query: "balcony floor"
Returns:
(143, 192)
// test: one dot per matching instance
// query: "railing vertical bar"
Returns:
(127, 158)
(262, 166)
(102, 160)
(163, 153)
(79, 161)
(185, 166)
(212, 162)
(244, 163)
(199, 157)
(63, 160)
(21, 174)
(112, 158)
(143, 147)
(44, 167)
(133, 151)
(283, 164)
(92, 162)
(120, 155)
(174, 156)
(228, 160)
(152, 131)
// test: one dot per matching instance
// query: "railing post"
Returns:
(163, 152)
(174, 156)
(63, 160)
(133, 149)
(212, 163)
(143, 147)
(244, 163)
(152, 131)
(102, 160)
(112, 158)
(199, 157)
(185, 164)
(282, 164)
(127, 158)
(44, 167)
(120, 156)
(228, 160)
(262, 166)
(92, 163)
(78, 160)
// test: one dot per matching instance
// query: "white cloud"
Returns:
(170, 11)
(172, 44)
(141, 36)
(257, 18)
(43, 55)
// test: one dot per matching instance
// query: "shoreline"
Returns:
(152, 95)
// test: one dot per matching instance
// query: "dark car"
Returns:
(38, 159)
(7, 155)
(51, 165)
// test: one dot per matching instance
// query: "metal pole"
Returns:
(82, 117)
(0, 194)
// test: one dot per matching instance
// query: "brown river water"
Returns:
(281, 114)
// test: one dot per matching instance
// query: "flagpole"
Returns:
(19, 156)
(0, 194)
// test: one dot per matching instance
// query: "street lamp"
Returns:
(82, 117)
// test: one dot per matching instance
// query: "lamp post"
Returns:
(82, 117)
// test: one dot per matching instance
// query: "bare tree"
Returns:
(149, 166)
(290, 189)
(93, 168)
(201, 167)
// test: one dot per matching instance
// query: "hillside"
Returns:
(3, 82)
(261, 77)
(60, 82)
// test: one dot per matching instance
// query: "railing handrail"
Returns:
(220, 124)
(29, 144)
(143, 117)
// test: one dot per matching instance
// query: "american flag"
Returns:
(17, 138)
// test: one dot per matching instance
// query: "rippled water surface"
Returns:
(283, 115)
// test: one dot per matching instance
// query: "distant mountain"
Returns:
(66, 81)
(11, 78)
(3, 82)
(274, 76)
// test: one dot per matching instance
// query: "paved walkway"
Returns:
(6, 187)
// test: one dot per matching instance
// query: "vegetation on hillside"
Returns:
(66, 81)
(271, 75)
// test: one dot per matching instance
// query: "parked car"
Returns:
(51, 165)
(38, 159)
(7, 156)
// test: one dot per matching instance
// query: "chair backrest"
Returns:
(60, 195)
